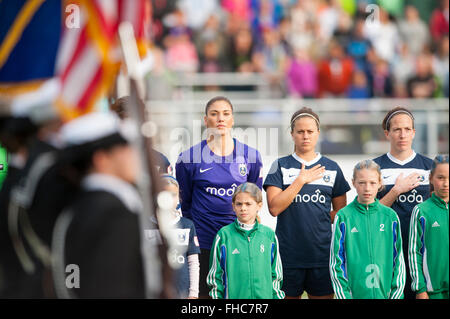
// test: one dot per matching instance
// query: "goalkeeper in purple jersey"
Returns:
(209, 172)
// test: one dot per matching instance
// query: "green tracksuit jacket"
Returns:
(428, 247)
(366, 257)
(245, 264)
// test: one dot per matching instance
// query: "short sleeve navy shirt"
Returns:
(304, 228)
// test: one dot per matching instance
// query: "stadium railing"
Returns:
(348, 126)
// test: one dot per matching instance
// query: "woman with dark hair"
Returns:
(209, 172)
(302, 189)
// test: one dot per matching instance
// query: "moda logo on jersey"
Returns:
(413, 197)
(221, 191)
(176, 257)
(317, 197)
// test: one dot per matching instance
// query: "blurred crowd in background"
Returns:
(310, 48)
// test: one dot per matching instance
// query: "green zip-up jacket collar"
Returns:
(366, 208)
(439, 202)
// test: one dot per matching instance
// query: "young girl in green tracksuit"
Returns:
(244, 262)
(366, 258)
(428, 237)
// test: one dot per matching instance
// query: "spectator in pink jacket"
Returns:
(302, 75)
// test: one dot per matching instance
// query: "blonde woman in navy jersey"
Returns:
(405, 174)
(305, 190)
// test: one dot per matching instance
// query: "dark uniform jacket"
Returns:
(102, 242)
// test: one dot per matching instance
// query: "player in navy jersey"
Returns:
(184, 253)
(302, 189)
(405, 175)
(209, 172)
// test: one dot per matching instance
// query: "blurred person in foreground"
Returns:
(99, 234)
(39, 192)
(15, 133)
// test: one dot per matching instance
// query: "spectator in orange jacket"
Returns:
(335, 72)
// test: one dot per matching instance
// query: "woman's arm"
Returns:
(338, 203)
(184, 178)
(194, 276)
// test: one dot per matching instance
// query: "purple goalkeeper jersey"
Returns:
(207, 183)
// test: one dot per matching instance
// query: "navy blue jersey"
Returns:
(163, 165)
(304, 228)
(207, 183)
(391, 168)
(186, 244)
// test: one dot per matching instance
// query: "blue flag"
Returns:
(29, 37)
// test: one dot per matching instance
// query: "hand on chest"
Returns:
(290, 174)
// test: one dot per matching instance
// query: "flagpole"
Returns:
(157, 268)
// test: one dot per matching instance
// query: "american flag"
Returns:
(89, 56)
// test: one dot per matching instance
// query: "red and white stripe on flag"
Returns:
(89, 55)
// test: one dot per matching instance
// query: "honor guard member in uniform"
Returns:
(98, 237)
(209, 172)
(405, 175)
(428, 237)
(14, 136)
(41, 192)
(366, 256)
(305, 190)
